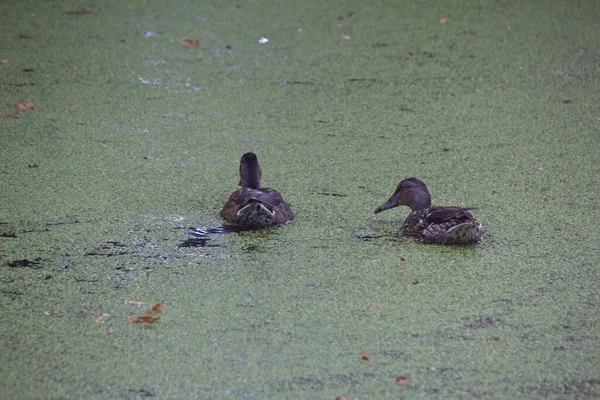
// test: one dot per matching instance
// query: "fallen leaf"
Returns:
(401, 380)
(190, 43)
(4, 61)
(12, 116)
(365, 356)
(79, 11)
(416, 282)
(100, 320)
(157, 308)
(373, 308)
(136, 303)
(48, 313)
(142, 319)
(23, 106)
(402, 258)
(496, 338)
(341, 398)
(444, 20)
(541, 169)
(145, 274)
(346, 37)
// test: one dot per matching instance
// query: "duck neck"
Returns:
(420, 199)
(250, 176)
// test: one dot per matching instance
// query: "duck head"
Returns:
(411, 192)
(250, 172)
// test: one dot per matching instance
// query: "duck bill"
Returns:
(391, 203)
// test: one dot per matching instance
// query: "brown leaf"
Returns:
(190, 43)
(157, 308)
(79, 11)
(402, 258)
(496, 338)
(100, 320)
(365, 356)
(4, 61)
(416, 282)
(142, 319)
(23, 106)
(401, 380)
(444, 20)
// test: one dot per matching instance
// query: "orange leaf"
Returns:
(21, 105)
(190, 43)
(158, 307)
(143, 319)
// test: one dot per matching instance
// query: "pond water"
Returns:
(120, 133)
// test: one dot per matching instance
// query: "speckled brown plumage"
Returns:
(251, 206)
(444, 225)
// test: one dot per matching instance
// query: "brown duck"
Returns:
(445, 225)
(253, 207)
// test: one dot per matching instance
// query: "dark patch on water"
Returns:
(361, 80)
(366, 238)
(201, 236)
(25, 263)
(96, 253)
(142, 392)
(330, 194)
(298, 83)
(482, 322)
(66, 221)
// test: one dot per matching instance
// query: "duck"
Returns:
(252, 206)
(443, 225)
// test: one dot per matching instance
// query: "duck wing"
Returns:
(438, 215)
